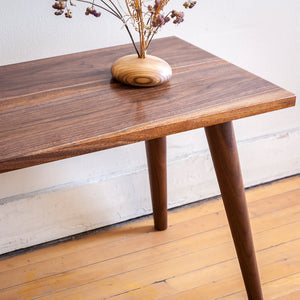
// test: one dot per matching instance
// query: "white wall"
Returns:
(54, 200)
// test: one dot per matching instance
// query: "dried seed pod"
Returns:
(59, 12)
(68, 14)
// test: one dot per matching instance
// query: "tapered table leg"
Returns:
(224, 153)
(157, 167)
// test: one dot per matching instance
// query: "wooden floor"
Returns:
(193, 259)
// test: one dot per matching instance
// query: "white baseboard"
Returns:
(52, 206)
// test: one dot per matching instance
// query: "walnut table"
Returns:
(65, 106)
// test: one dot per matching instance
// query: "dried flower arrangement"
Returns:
(146, 19)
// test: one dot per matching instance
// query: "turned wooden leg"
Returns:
(224, 153)
(157, 167)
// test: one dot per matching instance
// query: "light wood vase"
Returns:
(143, 72)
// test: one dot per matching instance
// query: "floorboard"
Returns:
(193, 259)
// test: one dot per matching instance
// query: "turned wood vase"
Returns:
(143, 72)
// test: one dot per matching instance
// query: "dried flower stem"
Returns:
(117, 14)
(146, 22)
(142, 35)
(132, 40)
(111, 11)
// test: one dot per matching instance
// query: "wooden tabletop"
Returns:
(68, 105)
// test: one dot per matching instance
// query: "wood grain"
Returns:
(143, 72)
(194, 259)
(157, 167)
(65, 106)
(222, 145)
